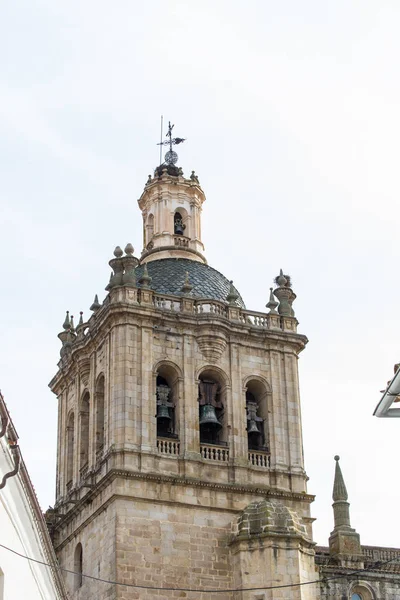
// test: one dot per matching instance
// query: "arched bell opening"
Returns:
(84, 431)
(99, 402)
(70, 439)
(212, 421)
(257, 415)
(179, 226)
(181, 222)
(166, 398)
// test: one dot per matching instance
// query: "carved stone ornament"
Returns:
(84, 370)
(211, 346)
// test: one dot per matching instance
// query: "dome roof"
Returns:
(269, 516)
(168, 276)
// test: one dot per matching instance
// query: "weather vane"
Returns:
(171, 156)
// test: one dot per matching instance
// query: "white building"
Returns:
(22, 528)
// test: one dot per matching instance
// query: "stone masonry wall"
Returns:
(172, 546)
(371, 585)
(99, 557)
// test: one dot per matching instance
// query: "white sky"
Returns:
(291, 110)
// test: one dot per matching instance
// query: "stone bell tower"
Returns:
(180, 461)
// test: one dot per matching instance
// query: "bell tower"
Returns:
(171, 209)
(180, 460)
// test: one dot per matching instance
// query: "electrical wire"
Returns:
(196, 590)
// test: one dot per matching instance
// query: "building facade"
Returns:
(348, 570)
(23, 528)
(180, 457)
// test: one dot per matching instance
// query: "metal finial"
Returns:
(171, 157)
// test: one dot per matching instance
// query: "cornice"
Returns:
(172, 249)
(230, 488)
(120, 313)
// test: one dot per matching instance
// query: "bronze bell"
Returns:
(178, 228)
(252, 428)
(163, 413)
(208, 416)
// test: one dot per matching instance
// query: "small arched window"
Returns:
(356, 597)
(179, 227)
(100, 414)
(211, 410)
(70, 447)
(78, 566)
(149, 228)
(84, 431)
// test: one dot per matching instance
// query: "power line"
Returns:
(196, 590)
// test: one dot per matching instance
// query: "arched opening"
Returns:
(84, 432)
(167, 397)
(179, 226)
(212, 422)
(78, 566)
(257, 415)
(70, 448)
(149, 228)
(361, 591)
(99, 398)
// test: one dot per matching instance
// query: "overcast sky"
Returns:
(291, 114)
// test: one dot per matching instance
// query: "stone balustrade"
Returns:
(83, 471)
(378, 554)
(215, 453)
(167, 303)
(168, 446)
(181, 240)
(254, 318)
(188, 305)
(202, 307)
(259, 459)
(207, 307)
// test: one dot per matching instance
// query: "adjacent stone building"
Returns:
(180, 457)
(346, 568)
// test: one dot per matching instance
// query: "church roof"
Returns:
(168, 276)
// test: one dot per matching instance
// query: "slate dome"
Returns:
(168, 276)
